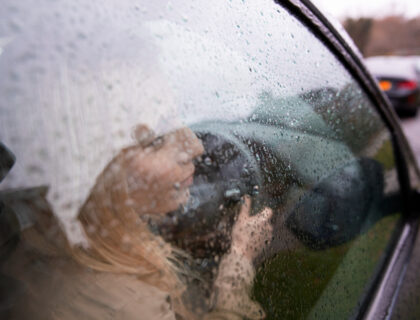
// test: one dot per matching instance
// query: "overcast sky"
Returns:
(377, 8)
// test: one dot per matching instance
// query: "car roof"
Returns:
(393, 66)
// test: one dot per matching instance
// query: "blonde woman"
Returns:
(123, 270)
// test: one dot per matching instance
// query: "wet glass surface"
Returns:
(195, 160)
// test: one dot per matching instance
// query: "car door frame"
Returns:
(379, 300)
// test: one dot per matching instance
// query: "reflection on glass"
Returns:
(139, 186)
(260, 179)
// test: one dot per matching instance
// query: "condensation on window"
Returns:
(194, 160)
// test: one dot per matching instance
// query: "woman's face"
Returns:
(160, 174)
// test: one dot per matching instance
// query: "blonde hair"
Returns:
(119, 241)
(122, 243)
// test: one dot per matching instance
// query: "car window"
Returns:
(191, 160)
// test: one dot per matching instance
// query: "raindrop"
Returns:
(255, 190)
(232, 193)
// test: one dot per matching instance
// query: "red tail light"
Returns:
(408, 85)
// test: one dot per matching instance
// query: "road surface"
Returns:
(411, 128)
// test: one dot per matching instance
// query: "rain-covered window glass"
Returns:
(190, 160)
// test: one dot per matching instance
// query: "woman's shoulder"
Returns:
(57, 287)
(100, 295)
(52, 285)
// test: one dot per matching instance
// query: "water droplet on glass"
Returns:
(232, 193)
(255, 190)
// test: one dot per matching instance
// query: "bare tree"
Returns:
(385, 36)
(359, 30)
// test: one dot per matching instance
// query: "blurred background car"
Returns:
(398, 77)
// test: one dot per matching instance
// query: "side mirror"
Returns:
(9, 227)
(7, 160)
(341, 206)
